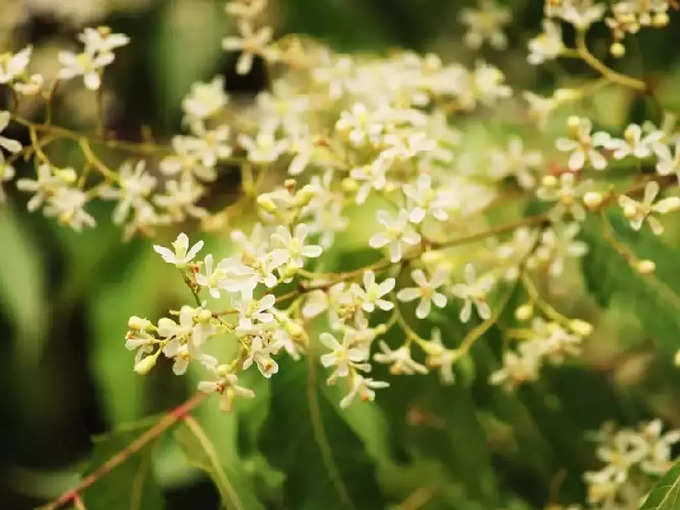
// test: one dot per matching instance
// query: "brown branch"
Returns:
(167, 421)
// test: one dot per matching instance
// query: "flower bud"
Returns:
(592, 199)
(524, 312)
(617, 50)
(266, 203)
(573, 123)
(204, 315)
(138, 324)
(144, 366)
(629, 211)
(349, 184)
(645, 266)
(68, 175)
(660, 19)
(305, 195)
(676, 360)
(580, 327)
(549, 181)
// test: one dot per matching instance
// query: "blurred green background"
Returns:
(65, 299)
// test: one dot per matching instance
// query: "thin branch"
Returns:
(610, 74)
(168, 420)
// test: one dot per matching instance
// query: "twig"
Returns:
(607, 72)
(168, 420)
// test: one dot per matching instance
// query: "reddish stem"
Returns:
(167, 421)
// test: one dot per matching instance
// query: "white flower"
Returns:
(245, 8)
(265, 148)
(342, 356)
(580, 13)
(557, 244)
(260, 353)
(372, 293)
(516, 162)
(637, 212)
(440, 357)
(180, 198)
(360, 125)
(583, 145)
(205, 99)
(184, 338)
(135, 186)
(424, 201)
(511, 253)
(486, 24)
(249, 43)
(400, 360)
(669, 163)
(182, 255)
(213, 278)
(294, 245)
(7, 143)
(363, 387)
(372, 176)
(228, 387)
(191, 155)
(426, 291)
(566, 193)
(14, 73)
(634, 143)
(98, 53)
(519, 367)
(547, 45)
(474, 291)
(254, 310)
(67, 205)
(46, 184)
(398, 234)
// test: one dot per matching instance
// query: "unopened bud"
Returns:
(549, 181)
(305, 195)
(677, 359)
(349, 184)
(524, 312)
(629, 211)
(645, 266)
(138, 324)
(68, 175)
(592, 199)
(617, 50)
(266, 203)
(573, 123)
(580, 327)
(144, 366)
(660, 19)
(204, 315)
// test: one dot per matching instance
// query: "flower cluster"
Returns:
(315, 151)
(634, 458)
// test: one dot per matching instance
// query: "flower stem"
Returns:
(607, 72)
(168, 420)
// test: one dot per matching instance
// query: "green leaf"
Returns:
(665, 495)
(611, 280)
(22, 288)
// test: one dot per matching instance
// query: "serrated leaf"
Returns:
(665, 495)
(609, 277)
